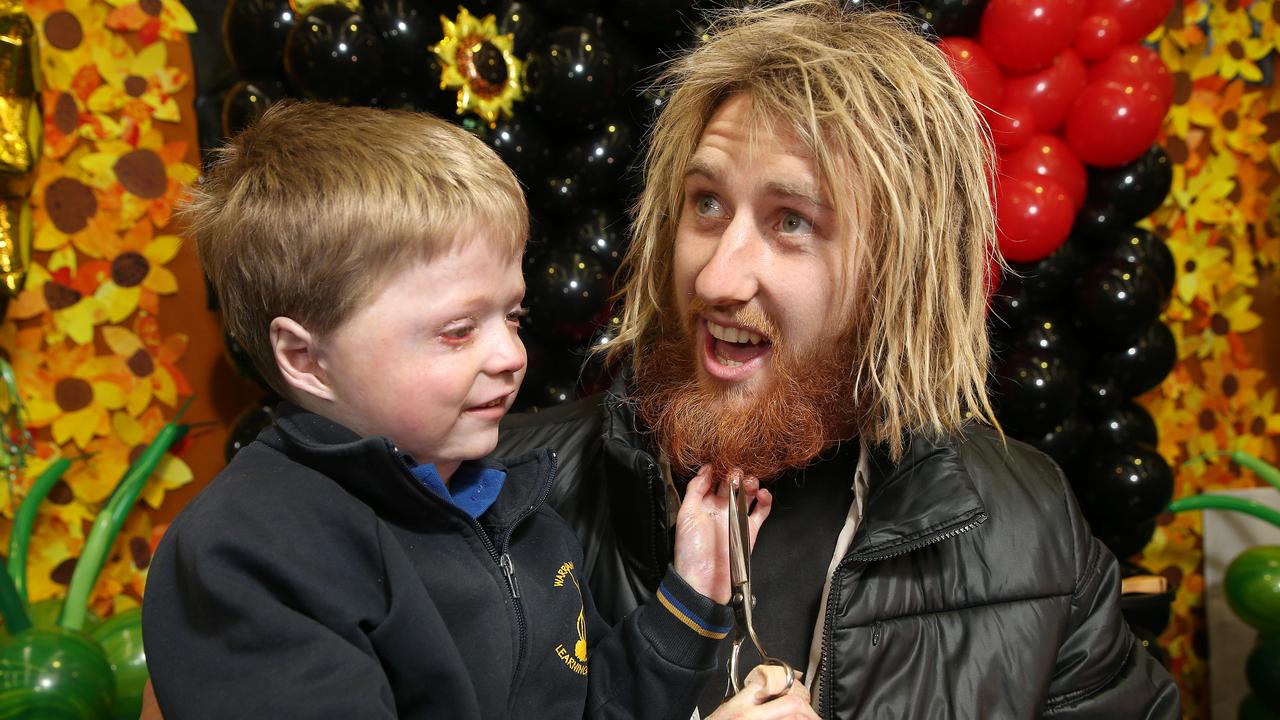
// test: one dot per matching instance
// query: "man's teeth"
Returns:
(727, 362)
(733, 335)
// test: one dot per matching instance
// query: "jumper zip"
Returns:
(828, 622)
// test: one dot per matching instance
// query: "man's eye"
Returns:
(795, 224)
(708, 206)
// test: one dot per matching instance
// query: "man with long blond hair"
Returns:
(805, 300)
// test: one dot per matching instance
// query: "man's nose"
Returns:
(731, 274)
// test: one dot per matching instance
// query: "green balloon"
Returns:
(1263, 671)
(121, 638)
(54, 674)
(1251, 709)
(1253, 587)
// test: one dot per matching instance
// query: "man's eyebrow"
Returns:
(798, 190)
(700, 166)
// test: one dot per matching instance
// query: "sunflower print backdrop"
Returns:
(96, 367)
(1222, 222)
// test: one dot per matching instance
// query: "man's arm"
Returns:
(1102, 670)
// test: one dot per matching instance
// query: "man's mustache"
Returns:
(750, 316)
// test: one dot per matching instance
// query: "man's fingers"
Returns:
(769, 679)
(760, 513)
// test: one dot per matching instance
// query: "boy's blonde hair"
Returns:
(307, 212)
(904, 156)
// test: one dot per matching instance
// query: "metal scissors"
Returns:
(742, 600)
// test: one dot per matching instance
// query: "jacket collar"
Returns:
(373, 471)
(924, 497)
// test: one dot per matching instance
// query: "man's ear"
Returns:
(296, 352)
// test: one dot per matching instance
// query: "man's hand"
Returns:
(702, 531)
(763, 682)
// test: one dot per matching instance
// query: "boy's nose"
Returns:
(507, 355)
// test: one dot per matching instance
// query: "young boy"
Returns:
(359, 559)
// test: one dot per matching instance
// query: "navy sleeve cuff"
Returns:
(685, 626)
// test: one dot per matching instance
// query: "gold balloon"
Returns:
(302, 7)
(15, 244)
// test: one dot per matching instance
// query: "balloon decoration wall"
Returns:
(1077, 99)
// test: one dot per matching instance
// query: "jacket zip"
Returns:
(505, 564)
(828, 621)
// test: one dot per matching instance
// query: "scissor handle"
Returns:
(736, 684)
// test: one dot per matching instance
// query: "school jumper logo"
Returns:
(577, 659)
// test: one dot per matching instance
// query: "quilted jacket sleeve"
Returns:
(1102, 670)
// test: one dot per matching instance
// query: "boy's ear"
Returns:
(297, 356)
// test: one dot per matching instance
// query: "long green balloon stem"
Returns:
(12, 607)
(106, 527)
(1222, 502)
(25, 519)
(1269, 473)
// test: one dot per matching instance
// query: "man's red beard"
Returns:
(807, 407)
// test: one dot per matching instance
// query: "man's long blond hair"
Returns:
(904, 157)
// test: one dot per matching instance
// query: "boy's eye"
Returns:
(460, 332)
(515, 316)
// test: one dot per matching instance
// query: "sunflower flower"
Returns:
(73, 392)
(147, 176)
(151, 19)
(68, 30)
(64, 300)
(65, 208)
(142, 85)
(135, 275)
(153, 367)
(172, 472)
(1184, 26)
(1235, 51)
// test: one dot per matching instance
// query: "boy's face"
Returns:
(434, 360)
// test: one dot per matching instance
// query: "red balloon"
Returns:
(1012, 126)
(1025, 35)
(1049, 92)
(1137, 17)
(1032, 219)
(1098, 37)
(1047, 157)
(976, 71)
(1113, 123)
(1133, 65)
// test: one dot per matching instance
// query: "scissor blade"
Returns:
(739, 537)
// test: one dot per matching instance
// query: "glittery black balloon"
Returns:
(1034, 391)
(602, 154)
(1046, 334)
(1123, 424)
(1126, 540)
(246, 427)
(254, 33)
(1136, 245)
(949, 17)
(1100, 394)
(1135, 190)
(1048, 279)
(247, 100)
(408, 28)
(1141, 364)
(522, 145)
(1117, 300)
(336, 55)
(524, 22)
(1096, 222)
(1011, 305)
(1124, 485)
(567, 289)
(1065, 442)
(600, 230)
(571, 79)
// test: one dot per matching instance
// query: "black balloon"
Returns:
(1100, 394)
(1034, 391)
(1135, 190)
(241, 361)
(567, 289)
(523, 22)
(1011, 305)
(602, 154)
(1117, 301)
(1065, 442)
(521, 144)
(1136, 245)
(1048, 279)
(247, 100)
(408, 28)
(1126, 541)
(571, 79)
(602, 231)
(246, 427)
(336, 55)
(1048, 335)
(1142, 364)
(254, 33)
(950, 17)
(1124, 486)
(1124, 424)
(1096, 221)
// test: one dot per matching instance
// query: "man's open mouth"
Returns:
(735, 346)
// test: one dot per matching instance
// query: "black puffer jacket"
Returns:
(972, 587)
